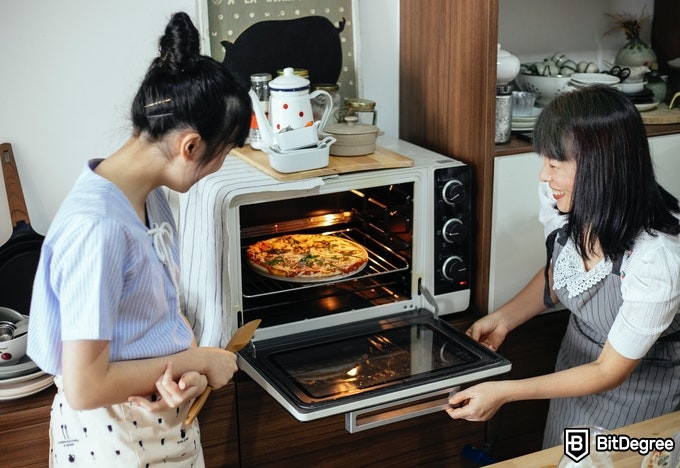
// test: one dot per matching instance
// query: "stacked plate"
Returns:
(22, 379)
(643, 100)
(524, 123)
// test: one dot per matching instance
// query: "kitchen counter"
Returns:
(663, 426)
(518, 145)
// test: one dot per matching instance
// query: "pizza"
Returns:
(314, 257)
(660, 459)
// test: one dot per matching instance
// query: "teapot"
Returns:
(507, 66)
(290, 110)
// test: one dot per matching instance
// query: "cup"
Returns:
(673, 85)
(523, 103)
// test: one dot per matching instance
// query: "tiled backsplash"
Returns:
(227, 19)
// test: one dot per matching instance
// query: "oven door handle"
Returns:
(399, 410)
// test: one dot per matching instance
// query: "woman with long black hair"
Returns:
(613, 260)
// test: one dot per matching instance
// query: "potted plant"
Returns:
(635, 52)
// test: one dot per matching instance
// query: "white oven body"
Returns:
(428, 293)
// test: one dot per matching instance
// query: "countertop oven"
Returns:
(370, 345)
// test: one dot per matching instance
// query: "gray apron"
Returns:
(652, 389)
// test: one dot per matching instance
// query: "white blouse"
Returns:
(650, 282)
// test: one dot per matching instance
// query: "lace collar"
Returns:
(569, 271)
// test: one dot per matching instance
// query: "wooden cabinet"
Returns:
(219, 429)
(447, 89)
(270, 436)
(24, 430)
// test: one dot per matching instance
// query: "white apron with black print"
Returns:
(122, 435)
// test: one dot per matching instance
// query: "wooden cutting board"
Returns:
(382, 158)
(661, 115)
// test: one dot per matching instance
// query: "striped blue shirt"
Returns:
(99, 278)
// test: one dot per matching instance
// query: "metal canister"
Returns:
(503, 113)
(259, 83)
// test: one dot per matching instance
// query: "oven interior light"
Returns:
(353, 372)
(330, 219)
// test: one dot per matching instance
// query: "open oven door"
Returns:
(376, 371)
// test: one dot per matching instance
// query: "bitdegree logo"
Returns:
(577, 443)
(624, 443)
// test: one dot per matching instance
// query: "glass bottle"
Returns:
(259, 83)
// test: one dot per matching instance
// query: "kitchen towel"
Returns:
(201, 216)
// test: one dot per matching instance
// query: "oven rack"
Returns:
(382, 260)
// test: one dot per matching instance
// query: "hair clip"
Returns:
(158, 116)
(158, 103)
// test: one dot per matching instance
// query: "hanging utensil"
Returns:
(19, 256)
(237, 342)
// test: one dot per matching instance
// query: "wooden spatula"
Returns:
(236, 343)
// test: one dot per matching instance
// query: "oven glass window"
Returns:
(348, 366)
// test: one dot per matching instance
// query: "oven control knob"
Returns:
(455, 269)
(454, 231)
(454, 192)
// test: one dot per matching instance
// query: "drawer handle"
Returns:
(400, 410)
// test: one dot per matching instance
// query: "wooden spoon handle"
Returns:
(15, 195)
(196, 406)
(236, 343)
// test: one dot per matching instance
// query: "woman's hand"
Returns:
(489, 331)
(221, 366)
(172, 394)
(477, 403)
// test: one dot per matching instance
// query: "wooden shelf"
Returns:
(518, 145)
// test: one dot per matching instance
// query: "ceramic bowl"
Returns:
(632, 87)
(589, 79)
(13, 336)
(544, 87)
(298, 138)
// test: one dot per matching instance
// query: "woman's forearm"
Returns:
(480, 402)
(605, 373)
(91, 381)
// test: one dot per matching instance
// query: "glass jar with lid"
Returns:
(318, 103)
(363, 109)
(259, 83)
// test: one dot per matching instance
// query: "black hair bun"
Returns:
(180, 46)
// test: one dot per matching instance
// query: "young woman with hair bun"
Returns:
(105, 314)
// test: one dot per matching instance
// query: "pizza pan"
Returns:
(304, 279)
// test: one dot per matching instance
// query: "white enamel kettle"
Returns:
(290, 111)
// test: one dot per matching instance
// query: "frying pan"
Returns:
(20, 254)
